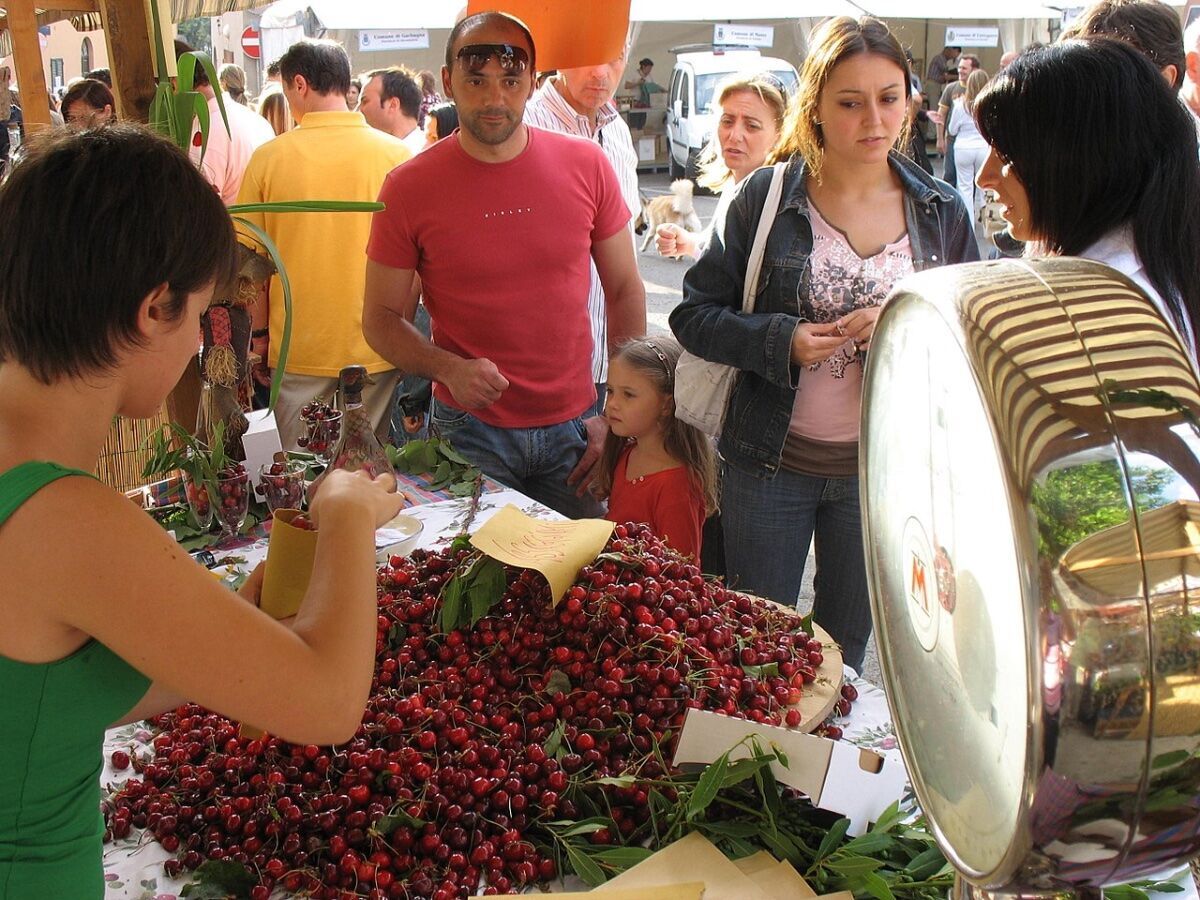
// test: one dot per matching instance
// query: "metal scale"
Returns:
(1030, 474)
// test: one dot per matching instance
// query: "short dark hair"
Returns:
(1148, 25)
(975, 63)
(488, 18)
(953, 47)
(1049, 115)
(399, 82)
(446, 116)
(645, 61)
(200, 78)
(273, 68)
(68, 312)
(324, 65)
(100, 75)
(90, 91)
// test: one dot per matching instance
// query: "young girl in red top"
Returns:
(655, 468)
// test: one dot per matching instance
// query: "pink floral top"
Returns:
(829, 393)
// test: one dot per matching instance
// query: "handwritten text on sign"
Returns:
(556, 549)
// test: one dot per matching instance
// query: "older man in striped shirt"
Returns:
(579, 102)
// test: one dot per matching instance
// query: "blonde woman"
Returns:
(970, 149)
(855, 217)
(273, 107)
(752, 110)
(233, 82)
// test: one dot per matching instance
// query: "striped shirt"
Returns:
(549, 110)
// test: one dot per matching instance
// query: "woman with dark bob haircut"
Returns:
(1093, 156)
(115, 622)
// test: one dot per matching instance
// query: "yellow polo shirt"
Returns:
(330, 156)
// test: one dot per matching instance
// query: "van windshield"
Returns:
(706, 85)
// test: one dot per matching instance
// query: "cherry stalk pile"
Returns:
(473, 740)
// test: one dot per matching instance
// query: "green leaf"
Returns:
(452, 599)
(622, 781)
(806, 624)
(925, 864)
(706, 789)
(621, 858)
(770, 670)
(591, 873)
(462, 489)
(852, 866)
(294, 206)
(441, 476)
(587, 826)
(219, 879)
(554, 741)
(488, 582)
(832, 839)
(732, 829)
(877, 887)
(743, 769)
(389, 823)
(889, 818)
(1174, 758)
(872, 843)
(453, 455)
(558, 680)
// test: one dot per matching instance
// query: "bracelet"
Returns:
(260, 332)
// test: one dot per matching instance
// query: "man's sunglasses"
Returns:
(513, 60)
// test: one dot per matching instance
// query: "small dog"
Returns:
(675, 208)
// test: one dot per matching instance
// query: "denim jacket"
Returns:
(709, 322)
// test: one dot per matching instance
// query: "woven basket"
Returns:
(123, 456)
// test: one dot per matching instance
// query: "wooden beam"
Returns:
(27, 54)
(127, 29)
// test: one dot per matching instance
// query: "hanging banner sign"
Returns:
(411, 39)
(748, 35)
(972, 36)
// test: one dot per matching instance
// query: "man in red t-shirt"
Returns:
(499, 222)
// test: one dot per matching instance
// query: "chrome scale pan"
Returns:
(1030, 466)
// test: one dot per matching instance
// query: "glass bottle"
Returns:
(357, 446)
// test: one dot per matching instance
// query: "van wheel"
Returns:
(675, 169)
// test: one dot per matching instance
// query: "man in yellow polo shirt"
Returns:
(333, 154)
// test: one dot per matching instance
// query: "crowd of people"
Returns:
(512, 231)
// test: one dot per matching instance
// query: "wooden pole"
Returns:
(127, 29)
(27, 54)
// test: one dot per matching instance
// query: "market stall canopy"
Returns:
(1112, 563)
(85, 14)
(384, 14)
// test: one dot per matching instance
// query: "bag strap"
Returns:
(766, 219)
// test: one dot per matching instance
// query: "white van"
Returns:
(691, 102)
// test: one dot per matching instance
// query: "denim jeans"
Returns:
(769, 524)
(535, 461)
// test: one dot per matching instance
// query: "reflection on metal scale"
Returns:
(1030, 474)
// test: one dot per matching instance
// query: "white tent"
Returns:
(657, 25)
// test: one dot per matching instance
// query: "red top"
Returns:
(668, 501)
(504, 254)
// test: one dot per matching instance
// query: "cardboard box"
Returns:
(836, 775)
(647, 149)
(261, 441)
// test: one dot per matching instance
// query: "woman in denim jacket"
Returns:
(855, 216)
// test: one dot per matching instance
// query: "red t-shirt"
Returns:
(667, 501)
(504, 253)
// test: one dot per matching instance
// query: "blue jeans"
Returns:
(769, 524)
(535, 461)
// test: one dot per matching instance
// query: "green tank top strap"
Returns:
(21, 482)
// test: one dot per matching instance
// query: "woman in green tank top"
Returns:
(117, 622)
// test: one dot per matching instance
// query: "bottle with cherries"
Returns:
(357, 446)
